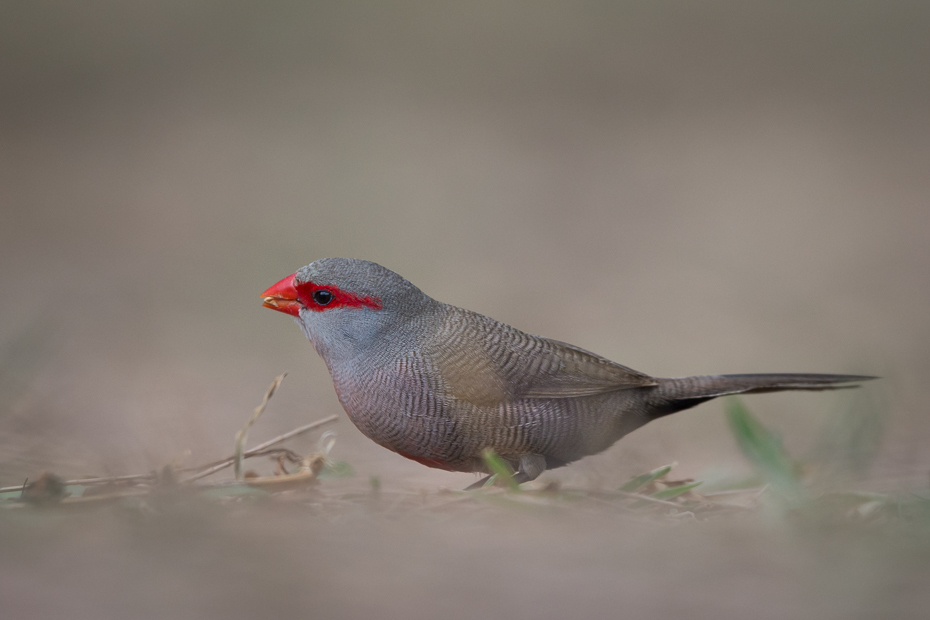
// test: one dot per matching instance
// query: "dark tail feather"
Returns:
(672, 395)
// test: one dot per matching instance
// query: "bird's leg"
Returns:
(531, 466)
(478, 485)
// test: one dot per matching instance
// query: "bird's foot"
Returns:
(531, 465)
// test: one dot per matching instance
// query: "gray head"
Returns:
(344, 305)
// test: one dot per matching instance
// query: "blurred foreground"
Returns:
(343, 551)
(317, 542)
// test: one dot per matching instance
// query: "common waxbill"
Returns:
(439, 384)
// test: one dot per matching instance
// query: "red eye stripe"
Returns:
(341, 299)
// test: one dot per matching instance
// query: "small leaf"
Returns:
(638, 482)
(500, 469)
(671, 492)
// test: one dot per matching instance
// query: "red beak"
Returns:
(283, 297)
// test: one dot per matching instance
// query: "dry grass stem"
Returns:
(132, 484)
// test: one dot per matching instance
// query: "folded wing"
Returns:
(488, 363)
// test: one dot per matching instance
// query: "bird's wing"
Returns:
(581, 373)
(488, 363)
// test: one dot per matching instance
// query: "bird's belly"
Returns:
(422, 424)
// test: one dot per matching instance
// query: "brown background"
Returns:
(684, 188)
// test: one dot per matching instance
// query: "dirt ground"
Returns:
(324, 558)
(683, 188)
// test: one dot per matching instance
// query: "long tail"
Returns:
(673, 395)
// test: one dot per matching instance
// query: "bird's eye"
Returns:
(322, 297)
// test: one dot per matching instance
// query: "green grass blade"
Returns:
(500, 468)
(763, 449)
(637, 482)
(671, 492)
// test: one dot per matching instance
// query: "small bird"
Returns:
(440, 384)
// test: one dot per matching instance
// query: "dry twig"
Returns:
(202, 471)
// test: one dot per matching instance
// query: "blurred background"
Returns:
(685, 188)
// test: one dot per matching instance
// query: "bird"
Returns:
(441, 385)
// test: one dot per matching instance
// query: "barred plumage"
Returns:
(439, 384)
